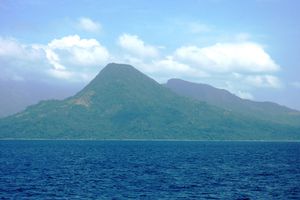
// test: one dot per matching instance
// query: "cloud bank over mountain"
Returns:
(72, 58)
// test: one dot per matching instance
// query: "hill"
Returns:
(123, 103)
(222, 98)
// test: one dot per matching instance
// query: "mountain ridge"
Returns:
(226, 91)
(123, 103)
(224, 99)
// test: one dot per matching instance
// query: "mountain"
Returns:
(224, 99)
(123, 103)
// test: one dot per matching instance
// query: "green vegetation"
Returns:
(218, 97)
(123, 103)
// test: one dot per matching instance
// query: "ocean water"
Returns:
(149, 170)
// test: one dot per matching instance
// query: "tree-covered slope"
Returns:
(123, 103)
(219, 97)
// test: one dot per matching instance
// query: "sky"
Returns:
(249, 47)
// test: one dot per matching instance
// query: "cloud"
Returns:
(162, 69)
(240, 90)
(54, 59)
(244, 95)
(70, 58)
(134, 45)
(146, 57)
(88, 25)
(11, 48)
(18, 60)
(228, 57)
(245, 65)
(267, 81)
(173, 68)
(77, 51)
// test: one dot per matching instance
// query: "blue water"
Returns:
(149, 170)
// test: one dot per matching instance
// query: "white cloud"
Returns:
(173, 68)
(240, 90)
(54, 59)
(246, 65)
(73, 53)
(20, 61)
(228, 57)
(70, 58)
(85, 52)
(162, 69)
(89, 25)
(146, 58)
(11, 48)
(71, 41)
(244, 95)
(170, 64)
(134, 45)
(268, 81)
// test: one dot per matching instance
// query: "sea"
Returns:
(78, 169)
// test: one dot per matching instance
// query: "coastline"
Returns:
(146, 140)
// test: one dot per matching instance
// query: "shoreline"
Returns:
(144, 140)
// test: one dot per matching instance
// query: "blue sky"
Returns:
(249, 47)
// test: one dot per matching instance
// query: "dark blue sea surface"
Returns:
(149, 170)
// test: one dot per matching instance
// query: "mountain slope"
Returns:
(224, 99)
(123, 103)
